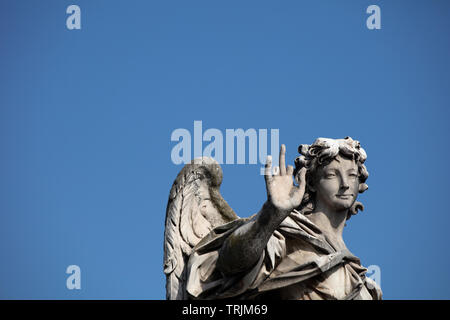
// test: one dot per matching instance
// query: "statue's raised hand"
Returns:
(282, 193)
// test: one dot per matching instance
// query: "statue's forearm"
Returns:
(245, 245)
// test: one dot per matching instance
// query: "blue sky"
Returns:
(86, 118)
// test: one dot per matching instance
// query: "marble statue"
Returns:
(291, 249)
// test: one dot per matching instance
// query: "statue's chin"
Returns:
(343, 205)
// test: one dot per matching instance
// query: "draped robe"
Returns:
(298, 263)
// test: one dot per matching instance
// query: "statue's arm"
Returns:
(245, 245)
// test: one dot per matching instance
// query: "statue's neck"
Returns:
(331, 223)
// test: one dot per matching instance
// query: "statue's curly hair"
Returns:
(319, 154)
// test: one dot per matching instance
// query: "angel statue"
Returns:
(291, 249)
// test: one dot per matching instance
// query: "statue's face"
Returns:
(337, 184)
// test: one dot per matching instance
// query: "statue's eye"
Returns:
(330, 175)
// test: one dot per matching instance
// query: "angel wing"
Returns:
(194, 208)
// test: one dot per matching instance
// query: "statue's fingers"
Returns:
(282, 160)
(289, 170)
(268, 169)
(276, 171)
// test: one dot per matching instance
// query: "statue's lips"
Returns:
(344, 196)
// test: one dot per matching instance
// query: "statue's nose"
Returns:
(344, 184)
